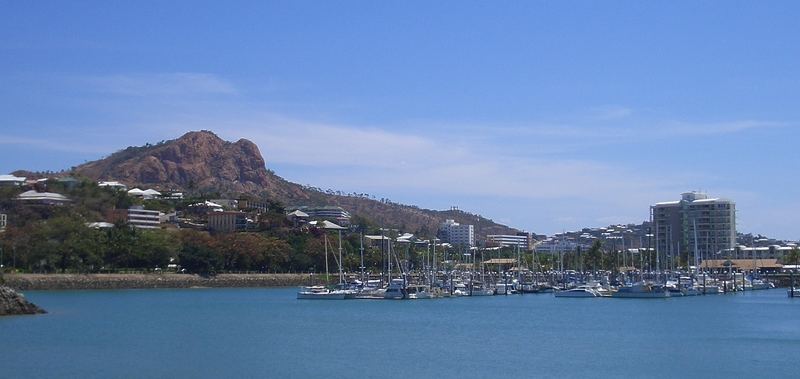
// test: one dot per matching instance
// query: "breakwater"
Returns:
(26, 282)
(13, 303)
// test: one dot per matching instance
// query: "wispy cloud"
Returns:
(161, 84)
(611, 113)
(682, 128)
(49, 144)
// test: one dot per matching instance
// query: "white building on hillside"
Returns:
(457, 234)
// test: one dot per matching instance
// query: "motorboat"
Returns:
(761, 284)
(479, 289)
(579, 291)
(371, 290)
(396, 290)
(643, 291)
(321, 293)
(504, 288)
(418, 291)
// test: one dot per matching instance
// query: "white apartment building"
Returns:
(695, 225)
(524, 241)
(457, 234)
(139, 217)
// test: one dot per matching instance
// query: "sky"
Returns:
(547, 116)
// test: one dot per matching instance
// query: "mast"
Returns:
(361, 240)
(433, 260)
(341, 263)
(327, 275)
(389, 258)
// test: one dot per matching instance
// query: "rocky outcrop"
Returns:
(13, 303)
(197, 160)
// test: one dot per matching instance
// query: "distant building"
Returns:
(297, 217)
(115, 185)
(457, 234)
(146, 194)
(332, 213)
(12, 181)
(709, 224)
(760, 252)
(248, 205)
(3, 222)
(523, 240)
(227, 222)
(44, 198)
(141, 218)
(226, 203)
(557, 245)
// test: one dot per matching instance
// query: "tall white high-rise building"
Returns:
(696, 225)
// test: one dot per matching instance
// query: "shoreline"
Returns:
(37, 282)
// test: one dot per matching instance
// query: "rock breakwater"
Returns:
(26, 282)
(13, 303)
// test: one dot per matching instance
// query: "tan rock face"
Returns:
(197, 160)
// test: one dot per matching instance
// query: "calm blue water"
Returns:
(268, 333)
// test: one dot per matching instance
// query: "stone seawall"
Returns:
(27, 282)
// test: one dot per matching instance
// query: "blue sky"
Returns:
(547, 116)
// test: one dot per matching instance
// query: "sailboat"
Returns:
(341, 291)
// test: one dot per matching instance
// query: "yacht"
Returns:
(396, 290)
(418, 291)
(371, 290)
(761, 284)
(794, 292)
(321, 293)
(479, 289)
(643, 291)
(579, 291)
(503, 288)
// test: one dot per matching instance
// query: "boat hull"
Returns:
(320, 296)
(575, 294)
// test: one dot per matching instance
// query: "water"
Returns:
(268, 333)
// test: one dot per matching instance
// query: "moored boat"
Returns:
(321, 293)
(643, 291)
(579, 291)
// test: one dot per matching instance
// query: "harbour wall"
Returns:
(27, 282)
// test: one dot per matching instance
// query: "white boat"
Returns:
(396, 290)
(503, 288)
(579, 291)
(418, 291)
(642, 291)
(794, 292)
(321, 293)
(370, 290)
(709, 289)
(478, 289)
(690, 291)
(460, 289)
(761, 284)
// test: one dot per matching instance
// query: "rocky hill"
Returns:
(202, 162)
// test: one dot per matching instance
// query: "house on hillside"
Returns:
(43, 198)
(12, 181)
(115, 185)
